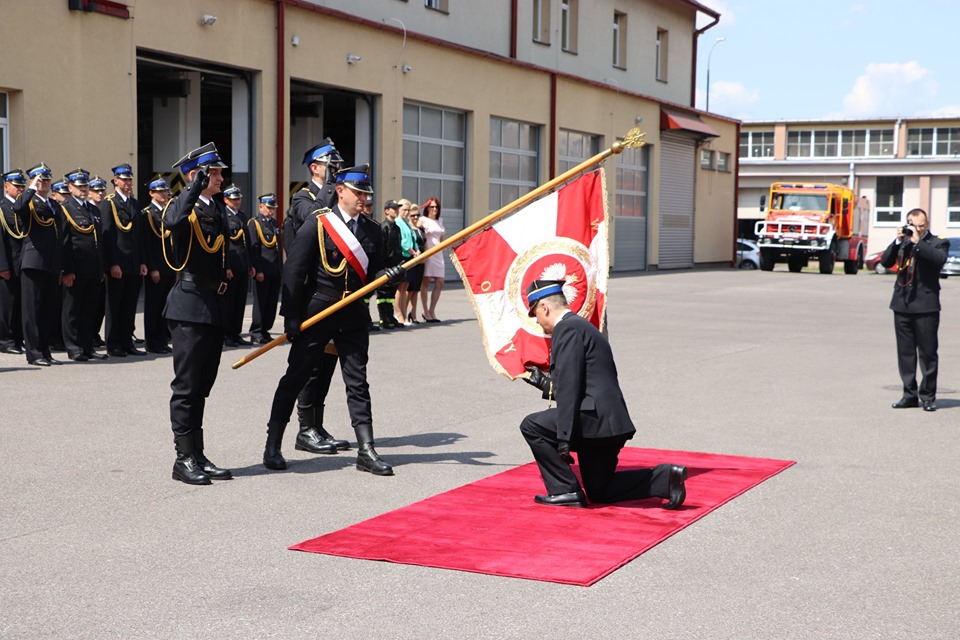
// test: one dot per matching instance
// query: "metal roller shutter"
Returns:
(677, 182)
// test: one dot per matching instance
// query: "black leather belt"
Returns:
(219, 287)
(330, 292)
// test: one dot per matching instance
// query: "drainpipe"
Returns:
(513, 28)
(553, 126)
(896, 138)
(736, 196)
(693, 64)
(281, 107)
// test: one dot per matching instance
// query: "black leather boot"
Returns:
(208, 467)
(341, 445)
(272, 458)
(309, 439)
(367, 457)
(186, 469)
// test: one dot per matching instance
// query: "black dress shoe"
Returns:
(309, 440)
(370, 461)
(53, 360)
(186, 469)
(133, 351)
(263, 340)
(243, 342)
(211, 469)
(230, 342)
(40, 362)
(117, 353)
(574, 499)
(16, 351)
(906, 403)
(929, 405)
(80, 357)
(96, 356)
(374, 326)
(160, 350)
(678, 490)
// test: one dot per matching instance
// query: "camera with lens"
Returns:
(907, 231)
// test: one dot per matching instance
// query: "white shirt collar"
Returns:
(204, 199)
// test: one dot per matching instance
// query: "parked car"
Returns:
(873, 263)
(748, 254)
(952, 266)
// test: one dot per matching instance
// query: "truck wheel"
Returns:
(767, 260)
(828, 259)
(796, 263)
(851, 267)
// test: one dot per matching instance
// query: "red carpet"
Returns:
(493, 526)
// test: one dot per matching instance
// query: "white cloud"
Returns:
(890, 89)
(950, 111)
(730, 98)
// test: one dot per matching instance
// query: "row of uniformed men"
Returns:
(101, 248)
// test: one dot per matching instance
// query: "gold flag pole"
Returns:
(633, 139)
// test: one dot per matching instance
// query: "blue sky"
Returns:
(822, 59)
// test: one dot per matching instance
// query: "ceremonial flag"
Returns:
(562, 236)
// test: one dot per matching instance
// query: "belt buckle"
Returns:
(222, 289)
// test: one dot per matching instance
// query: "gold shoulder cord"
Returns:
(52, 222)
(238, 236)
(17, 235)
(85, 230)
(269, 244)
(334, 271)
(163, 245)
(116, 216)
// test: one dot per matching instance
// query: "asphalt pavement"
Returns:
(858, 540)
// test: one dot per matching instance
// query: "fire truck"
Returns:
(826, 222)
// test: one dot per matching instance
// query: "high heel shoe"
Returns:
(412, 319)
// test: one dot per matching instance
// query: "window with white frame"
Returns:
(569, 10)
(880, 142)
(799, 144)
(631, 195)
(573, 147)
(619, 40)
(514, 160)
(723, 161)
(920, 141)
(933, 141)
(541, 21)
(4, 134)
(889, 209)
(663, 39)
(826, 144)
(434, 151)
(706, 158)
(756, 144)
(953, 202)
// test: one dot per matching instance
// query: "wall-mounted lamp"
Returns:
(406, 68)
(352, 59)
(208, 21)
(638, 120)
(295, 41)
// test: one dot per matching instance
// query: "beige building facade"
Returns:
(897, 163)
(475, 103)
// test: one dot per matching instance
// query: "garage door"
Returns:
(677, 166)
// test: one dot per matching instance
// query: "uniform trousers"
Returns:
(196, 358)
(38, 290)
(11, 323)
(315, 391)
(156, 333)
(122, 297)
(79, 315)
(917, 335)
(235, 300)
(597, 459)
(266, 294)
(352, 341)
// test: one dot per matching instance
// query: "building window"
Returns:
(4, 134)
(889, 211)
(853, 143)
(940, 141)
(541, 21)
(662, 48)
(569, 10)
(631, 195)
(434, 151)
(880, 142)
(706, 159)
(574, 147)
(514, 160)
(756, 144)
(798, 144)
(723, 161)
(953, 202)
(437, 5)
(948, 141)
(619, 40)
(920, 142)
(826, 144)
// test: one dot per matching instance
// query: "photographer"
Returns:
(919, 255)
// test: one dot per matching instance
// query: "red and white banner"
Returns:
(562, 236)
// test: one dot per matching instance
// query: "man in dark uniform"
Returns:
(392, 255)
(266, 263)
(919, 255)
(195, 308)
(95, 194)
(239, 270)
(590, 418)
(337, 252)
(323, 161)
(121, 222)
(160, 277)
(82, 270)
(11, 325)
(59, 193)
(40, 222)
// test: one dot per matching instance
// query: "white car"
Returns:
(748, 254)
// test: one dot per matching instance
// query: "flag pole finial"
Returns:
(633, 140)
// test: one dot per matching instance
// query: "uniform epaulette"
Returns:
(307, 189)
(323, 211)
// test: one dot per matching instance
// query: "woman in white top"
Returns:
(433, 267)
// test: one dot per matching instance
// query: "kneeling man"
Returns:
(590, 418)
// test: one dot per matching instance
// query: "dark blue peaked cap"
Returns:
(205, 156)
(323, 152)
(540, 289)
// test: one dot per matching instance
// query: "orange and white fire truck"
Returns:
(826, 222)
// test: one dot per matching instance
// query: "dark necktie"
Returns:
(352, 225)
